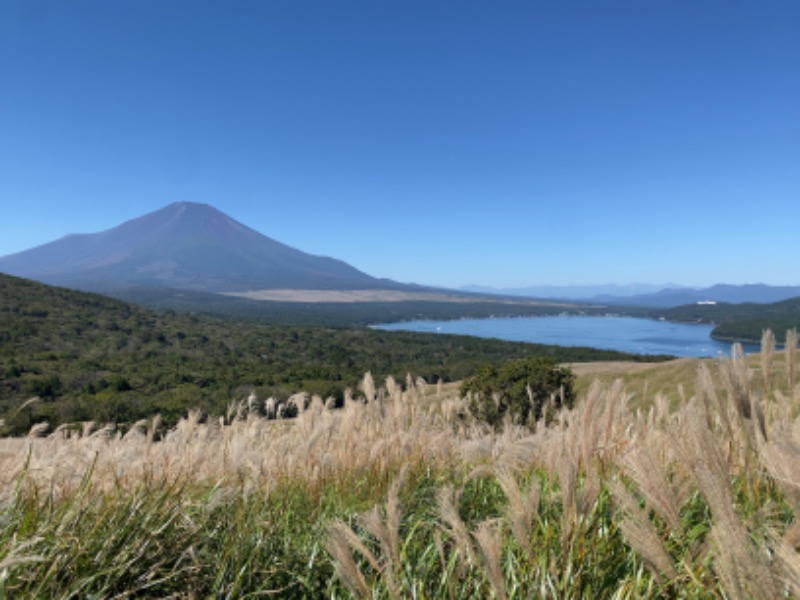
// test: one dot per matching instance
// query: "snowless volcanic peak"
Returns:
(185, 245)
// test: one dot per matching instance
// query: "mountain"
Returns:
(734, 294)
(187, 246)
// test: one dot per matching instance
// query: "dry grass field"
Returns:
(401, 494)
(291, 295)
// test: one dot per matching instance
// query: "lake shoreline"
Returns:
(612, 331)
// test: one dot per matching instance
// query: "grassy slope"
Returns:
(676, 380)
(642, 380)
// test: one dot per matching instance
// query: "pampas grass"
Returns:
(401, 493)
(791, 357)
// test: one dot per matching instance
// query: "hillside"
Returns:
(88, 357)
(184, 245)
(743, 322)
(753, 320)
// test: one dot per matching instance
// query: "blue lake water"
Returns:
(627, 334)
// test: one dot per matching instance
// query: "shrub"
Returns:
(519, 389)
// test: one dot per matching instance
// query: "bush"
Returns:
(520, 389)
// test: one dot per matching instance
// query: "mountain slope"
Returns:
(189, 246)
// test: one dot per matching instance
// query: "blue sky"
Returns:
(446, 143)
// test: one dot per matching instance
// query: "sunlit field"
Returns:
(690, 491)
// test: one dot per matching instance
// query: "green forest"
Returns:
(89, 357)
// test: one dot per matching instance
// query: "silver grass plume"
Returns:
(490, 542)
(767, 350)
(791, 357)
(639, 531)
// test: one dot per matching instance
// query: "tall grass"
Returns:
(401, 494)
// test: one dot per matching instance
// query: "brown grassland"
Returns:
(291, 295)
(677, 480)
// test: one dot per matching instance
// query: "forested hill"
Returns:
(87, 357)
(754, 319)
(743, 322)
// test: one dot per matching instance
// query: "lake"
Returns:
(627, 334)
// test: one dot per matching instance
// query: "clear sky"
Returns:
(501, 143)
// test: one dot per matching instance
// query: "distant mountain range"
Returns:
(733, 294)
(186, 246)
(649, 296)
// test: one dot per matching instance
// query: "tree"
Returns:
(520, 389)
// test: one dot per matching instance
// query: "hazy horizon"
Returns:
(509, 146)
